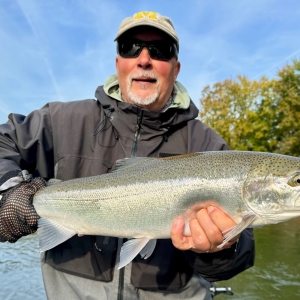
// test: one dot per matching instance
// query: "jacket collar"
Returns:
(181, 97)
(125, 113)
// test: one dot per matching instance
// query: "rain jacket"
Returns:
(83, 138)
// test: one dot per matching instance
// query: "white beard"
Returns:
(142, 100)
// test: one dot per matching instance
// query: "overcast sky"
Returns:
(61, 50)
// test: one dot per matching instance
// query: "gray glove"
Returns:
(17, 214)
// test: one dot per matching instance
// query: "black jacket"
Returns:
(85, 138)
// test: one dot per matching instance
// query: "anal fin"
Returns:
(52, 234)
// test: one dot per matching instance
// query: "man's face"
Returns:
(144, 81)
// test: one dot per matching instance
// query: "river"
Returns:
(20, 273)
(276, 274)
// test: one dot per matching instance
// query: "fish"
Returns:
(140, 199)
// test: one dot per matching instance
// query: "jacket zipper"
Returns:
(121, 283)
(133, 154)
(137, 133)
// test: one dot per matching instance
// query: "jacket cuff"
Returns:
(227, 263)
(11, 178)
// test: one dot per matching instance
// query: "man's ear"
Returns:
(177, 70)
(117, 64)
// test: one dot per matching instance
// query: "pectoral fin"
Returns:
(51, 234)
(234, 231)
(133, 247)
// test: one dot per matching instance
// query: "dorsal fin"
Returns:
(127, 163)
(180, 156)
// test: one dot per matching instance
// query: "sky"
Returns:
(61, 50)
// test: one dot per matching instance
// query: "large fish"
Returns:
(142, 197)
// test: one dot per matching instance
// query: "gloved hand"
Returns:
(17, 214)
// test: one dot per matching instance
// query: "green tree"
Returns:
(231, 108)
(254, 115)
(288, 89)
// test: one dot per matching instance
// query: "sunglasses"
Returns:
(158, 50)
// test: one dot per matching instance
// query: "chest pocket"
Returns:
(175, 142)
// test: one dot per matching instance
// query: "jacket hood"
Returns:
(181, 97)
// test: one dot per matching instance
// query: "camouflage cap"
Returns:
(149, 18)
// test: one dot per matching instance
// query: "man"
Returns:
(141, 111)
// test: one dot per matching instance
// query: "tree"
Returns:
(288, 90)
(254, 115)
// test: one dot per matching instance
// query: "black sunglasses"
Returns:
(158, 50)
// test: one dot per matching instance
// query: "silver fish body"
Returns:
(143, 196)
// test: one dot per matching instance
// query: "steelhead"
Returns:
(140, 199)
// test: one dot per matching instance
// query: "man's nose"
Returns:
(144, 59)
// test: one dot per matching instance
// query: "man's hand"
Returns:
(17, 214)
(206, 231)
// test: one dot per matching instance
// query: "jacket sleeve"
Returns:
(227, 263)
(26, 143)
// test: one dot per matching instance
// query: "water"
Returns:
(276, 274)
(20, 273)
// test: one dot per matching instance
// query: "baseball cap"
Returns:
(148, 18)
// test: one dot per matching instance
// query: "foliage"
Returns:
(254, 115)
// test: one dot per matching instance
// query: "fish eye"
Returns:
(294, 181)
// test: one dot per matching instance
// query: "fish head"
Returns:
(272, 187)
